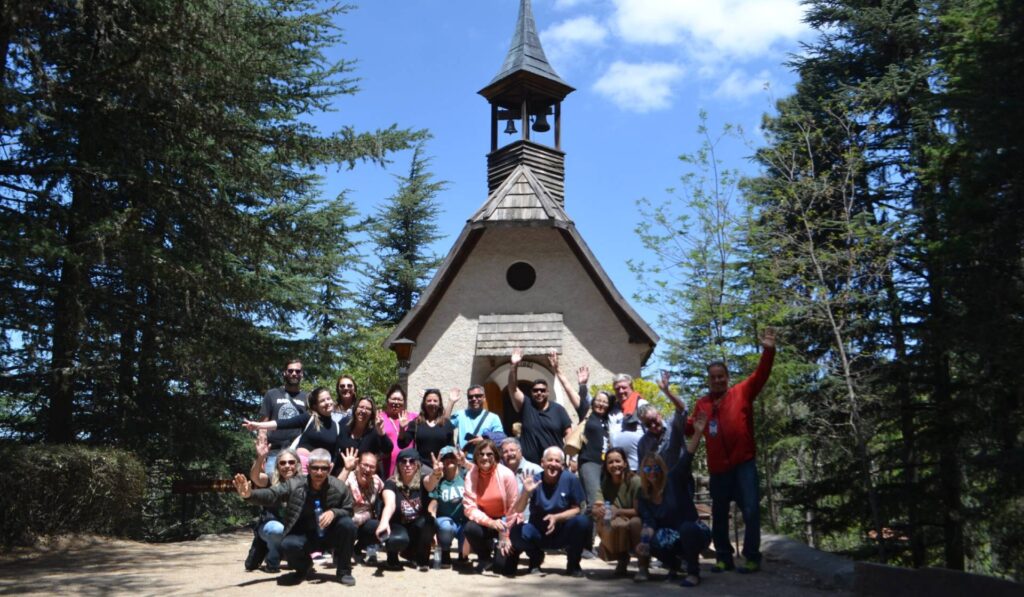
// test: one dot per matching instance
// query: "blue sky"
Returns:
(642, 69)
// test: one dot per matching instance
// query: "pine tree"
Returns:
(402, 231)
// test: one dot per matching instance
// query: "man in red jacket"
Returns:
(729, 437)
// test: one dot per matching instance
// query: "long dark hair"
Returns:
(373, 414)
(627, 474)
(440, 418)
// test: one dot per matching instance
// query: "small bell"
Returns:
(540, 123)
(510, 128)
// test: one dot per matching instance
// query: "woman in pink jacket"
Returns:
(489, 499)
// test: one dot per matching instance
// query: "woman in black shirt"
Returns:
(428, 433)
(405, 521)
(364, 433)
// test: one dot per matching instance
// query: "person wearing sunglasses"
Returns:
(405, 522)
(472, 422)
(545, 423)
(319, 429)
(305, 531)
(269, 529)
(672, 530)
(285, 402)
(345, 398)
(489, 503)
(731, 452)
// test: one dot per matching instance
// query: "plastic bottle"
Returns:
(437, 557)
(607, 512)
(317, 512)
(371, 553)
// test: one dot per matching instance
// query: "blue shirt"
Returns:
(565, 493)
(465, 422)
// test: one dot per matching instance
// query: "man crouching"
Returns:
(318, 517)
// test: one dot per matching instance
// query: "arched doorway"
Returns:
(498, 399)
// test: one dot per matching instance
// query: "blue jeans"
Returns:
(738, 485)
(571, 534)
(272, 532)
(447, 530)
(692, 538)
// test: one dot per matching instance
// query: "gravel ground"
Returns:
(97, 566)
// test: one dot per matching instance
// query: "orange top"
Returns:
(490, 500)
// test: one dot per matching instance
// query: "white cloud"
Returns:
(567, 4)
(731, 27)
(564, 42)
(739, 86)
(639, 87)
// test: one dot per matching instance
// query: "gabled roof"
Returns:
(522, 197)
(525, 51)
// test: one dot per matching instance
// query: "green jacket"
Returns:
(292, 493)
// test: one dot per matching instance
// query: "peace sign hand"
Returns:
(438, 465)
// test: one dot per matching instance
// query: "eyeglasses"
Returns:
(287, 462)
(475, 396)
(318, 468)
(485, 455)
(346, 385)
(407, 461)
(652, 469)
(291, 371)
(654, 423)
(538, 390)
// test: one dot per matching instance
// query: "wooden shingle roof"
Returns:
(521, 198)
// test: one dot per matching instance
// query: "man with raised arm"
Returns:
(545, 423)
(472, 422)
(729, 437)
(318, 516)
(285, 402)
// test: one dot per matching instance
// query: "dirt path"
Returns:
(93, 566)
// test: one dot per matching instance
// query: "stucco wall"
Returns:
(444, 352)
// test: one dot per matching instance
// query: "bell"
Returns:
(540, 123)
(510, 128)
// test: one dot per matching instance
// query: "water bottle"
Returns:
(498, 558)
(437, 557)
(607, 512)
(371, 553)
(713, 427)
(317, 512)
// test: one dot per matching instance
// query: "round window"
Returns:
(521, 275)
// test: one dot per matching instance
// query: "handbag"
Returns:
(576, 440)
(295, 442)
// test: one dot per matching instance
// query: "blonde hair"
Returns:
(649, 489)
(276, 478)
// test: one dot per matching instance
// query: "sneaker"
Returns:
(691, 580)
(347, 579)
(317, 556)
(576, 573)
(483, 566)
(721, 566)
(271, 569)
(535, 570)
(641, 575)
(749, 567)
(423, 567)
(588, 554)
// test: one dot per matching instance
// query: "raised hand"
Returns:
(455, 394)
(517, 356)
(663, 381)
(379, 423)
(529, 482)
(349, 457)
(242, 486)
(768, 337)
(699, 421)
(553, 359)
(583, 375)
(438, 465)
(403, 419)
(262, 446)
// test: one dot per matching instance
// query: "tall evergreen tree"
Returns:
(402, 231)
(161, 229)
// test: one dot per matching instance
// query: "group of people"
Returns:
(335, 476)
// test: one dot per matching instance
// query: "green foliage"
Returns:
(69, 489)
(402, 232)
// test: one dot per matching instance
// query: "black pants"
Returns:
(481, 540)
(415, 536)
(367, 534)
(339, 537)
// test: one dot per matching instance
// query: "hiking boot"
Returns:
(257, 553)
(622, 567)
(345, 577)
(749, 567)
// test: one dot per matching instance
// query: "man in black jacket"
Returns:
(306, 530)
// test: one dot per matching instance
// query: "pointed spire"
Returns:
(525, 51)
